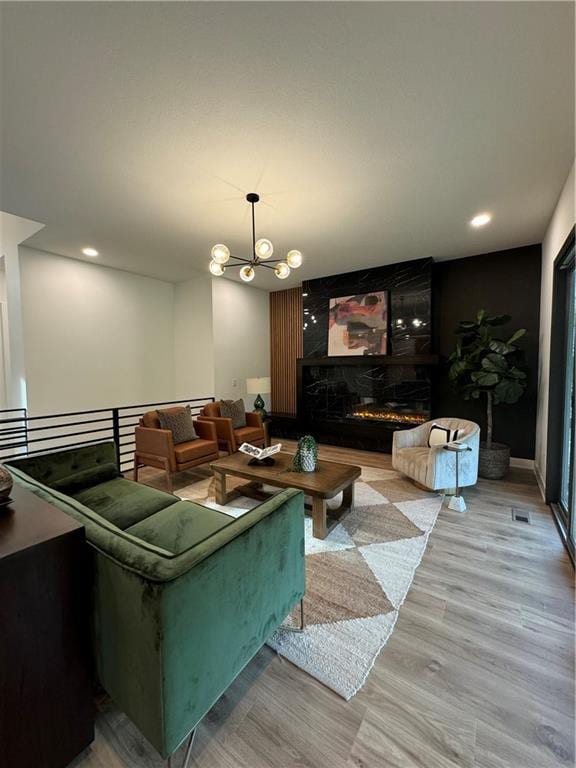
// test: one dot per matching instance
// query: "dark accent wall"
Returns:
(360, 400)
(409, 287)
(504, 282)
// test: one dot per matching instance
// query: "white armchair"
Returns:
(435, 468)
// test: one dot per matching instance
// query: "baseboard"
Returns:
(540, 480)
(522, 463)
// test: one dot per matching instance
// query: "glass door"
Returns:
(561, 461)
(567, 485)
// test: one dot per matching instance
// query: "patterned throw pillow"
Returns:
(235, 410)
(179, 423)
(441, 435)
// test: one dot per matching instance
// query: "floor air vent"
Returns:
(521, 516)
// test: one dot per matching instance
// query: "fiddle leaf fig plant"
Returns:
(482, 365)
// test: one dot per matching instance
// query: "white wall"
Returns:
(13, 231)
(562, 221)
(193, 338)
(241, 327)
(94, 336)
(221, 332)
(97, 337)
(4, 341)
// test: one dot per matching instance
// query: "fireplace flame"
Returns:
(393, 416)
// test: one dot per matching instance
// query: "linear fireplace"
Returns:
(378, 413)
(360, 401)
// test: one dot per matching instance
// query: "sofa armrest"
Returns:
(471, 439)
(157, 565)
(254, 419)
(205, 429)
(155, 442)
(288, 502)
(410, 438)
(223, 426)
(442, 464)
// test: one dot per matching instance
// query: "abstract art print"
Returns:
(358, 325)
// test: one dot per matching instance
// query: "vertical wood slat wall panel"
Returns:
(286, 346)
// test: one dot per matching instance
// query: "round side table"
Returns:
(457, 503)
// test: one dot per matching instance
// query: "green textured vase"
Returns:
(306, 455)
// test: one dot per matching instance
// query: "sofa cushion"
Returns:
(180, 526)
(85, 478)
(194, 450)
(235, 410)
(123, 502)
(179, 422)
(248, 434)
(50, 468)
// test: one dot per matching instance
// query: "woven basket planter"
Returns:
(494, 462)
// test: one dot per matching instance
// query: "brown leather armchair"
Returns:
(230, 439)
(155, 446)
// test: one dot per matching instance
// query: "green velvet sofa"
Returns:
(183, 595)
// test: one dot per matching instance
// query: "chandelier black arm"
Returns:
(238, 258)
(268, 265)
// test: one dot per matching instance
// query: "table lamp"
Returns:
(257, 387)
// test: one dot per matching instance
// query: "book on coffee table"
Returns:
(260, 453)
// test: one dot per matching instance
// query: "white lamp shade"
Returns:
(258, 386)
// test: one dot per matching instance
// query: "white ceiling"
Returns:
(372, 131)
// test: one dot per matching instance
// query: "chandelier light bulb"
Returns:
(263, 248)
(294, 259)
(216, 269)
(220, 253)
(282, 270)
(247, 273)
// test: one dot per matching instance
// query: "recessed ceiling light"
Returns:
(89, 251)
(480, 220)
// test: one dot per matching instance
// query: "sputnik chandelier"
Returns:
(262, 249)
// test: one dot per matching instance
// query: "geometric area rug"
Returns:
(356, 579)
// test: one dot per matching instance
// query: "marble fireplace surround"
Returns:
(409, 287)
(405, 374)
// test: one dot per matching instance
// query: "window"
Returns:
(560, 462)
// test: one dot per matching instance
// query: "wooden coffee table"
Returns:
(326, 482)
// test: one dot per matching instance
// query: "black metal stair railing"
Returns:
(23, 435)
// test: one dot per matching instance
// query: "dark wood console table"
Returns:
(46, 705)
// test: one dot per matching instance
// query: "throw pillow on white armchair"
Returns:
(432, 466)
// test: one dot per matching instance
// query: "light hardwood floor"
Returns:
(478, 673)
